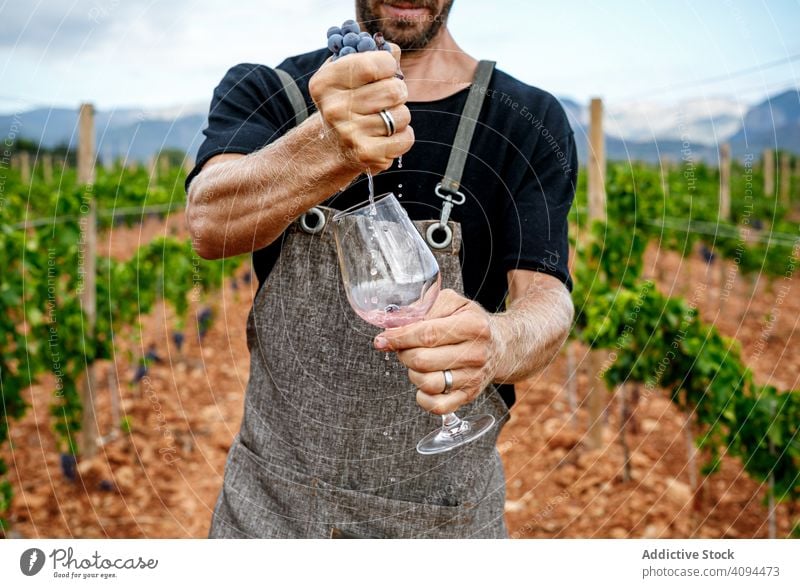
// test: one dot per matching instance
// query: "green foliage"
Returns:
(42, 325)
(660, 342)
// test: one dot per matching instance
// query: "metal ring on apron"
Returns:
(448, 236)
(318, 226)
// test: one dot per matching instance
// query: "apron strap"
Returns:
(440, 235)
(295, 96)
(466, 127)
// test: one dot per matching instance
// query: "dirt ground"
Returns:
(161, 479)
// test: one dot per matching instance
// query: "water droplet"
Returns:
(374, 300)
(386, 433)
(392, 479)
(385, 229)
(373, 272)
(391, 308)
(385, 373)
(400, 162)
(399, 186)
(400, 195)
(386, 356)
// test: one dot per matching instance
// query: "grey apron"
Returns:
(327, 445)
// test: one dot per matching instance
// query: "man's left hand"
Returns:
(457, 334)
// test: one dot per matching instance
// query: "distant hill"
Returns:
(773, 123)
(640, 131)
(129, 133)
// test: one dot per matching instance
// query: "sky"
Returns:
(154, 54)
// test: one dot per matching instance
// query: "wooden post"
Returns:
(725, 182)
(724, 213)
(597, 393)
(163, 165)
(785, 178)
(152, 168)
(597, 162)
(769, 173)
(25, 167)
(86, 177)
(796, 192)
(47, 168)
(572, 383)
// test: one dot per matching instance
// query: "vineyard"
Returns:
(671, 412)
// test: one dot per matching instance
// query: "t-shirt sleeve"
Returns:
(247, 112)
(536, 223)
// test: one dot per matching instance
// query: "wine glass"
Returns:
(392, 279)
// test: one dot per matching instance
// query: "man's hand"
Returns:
(349, 94)
(457, 334)
(479, 347)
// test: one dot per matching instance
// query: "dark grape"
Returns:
(335, 43)
(350, 40)
(334, 31)
(346, 51)
(366, 44)
(350, 26)
(706, 254)
(140, 373)
(152, 354)
(69, 466)
(178, 338)
(363, 34)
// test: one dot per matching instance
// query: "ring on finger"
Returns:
(448, 381)
(388, 122)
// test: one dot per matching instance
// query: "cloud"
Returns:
(59, 28)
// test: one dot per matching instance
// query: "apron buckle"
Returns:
(451, 198)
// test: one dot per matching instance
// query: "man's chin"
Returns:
(403, 34)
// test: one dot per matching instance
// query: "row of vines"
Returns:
(657, 342)
(43, 325)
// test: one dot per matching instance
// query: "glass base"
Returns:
(444, 439)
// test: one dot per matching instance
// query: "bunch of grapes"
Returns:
(349, 39)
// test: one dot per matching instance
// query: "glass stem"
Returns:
(450, 421)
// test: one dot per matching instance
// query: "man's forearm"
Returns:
(532, 330)
(244, 204)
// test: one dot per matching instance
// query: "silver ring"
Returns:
(445, 242)
(320, 224)
(448, 381)
(388, 121)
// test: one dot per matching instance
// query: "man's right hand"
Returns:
(349, 94)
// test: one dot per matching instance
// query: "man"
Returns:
(326, 447)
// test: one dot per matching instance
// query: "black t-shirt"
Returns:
(519, 179)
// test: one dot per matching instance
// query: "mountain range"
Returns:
(643, 131)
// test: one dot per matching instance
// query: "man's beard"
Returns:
(411, 34)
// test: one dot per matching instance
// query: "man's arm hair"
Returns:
(242, 203)
(535, 325)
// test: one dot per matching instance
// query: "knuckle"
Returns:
(370, 69)
(429, 337)
(403, 116)
(397, 91)
(479, 356)
(440, 409)
(336, 110)
(421, 363)
(360, 151)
